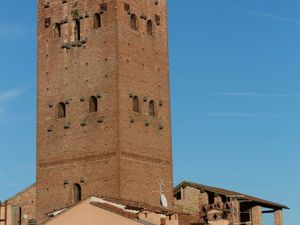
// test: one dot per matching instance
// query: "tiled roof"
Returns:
(228, 193)
(114, 209)
(21, 192)
(140, 206)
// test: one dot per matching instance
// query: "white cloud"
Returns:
(10, 95)
(233, 114)
(275, 17)
(257, 94)
(14, 30)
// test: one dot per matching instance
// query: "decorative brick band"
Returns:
(144, 159)
(99, 157)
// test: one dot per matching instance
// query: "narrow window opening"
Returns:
(134, 22)
(93, 104)
(77, 193)
(57, 30)
(136, 104)
(152, 108)
(77, 30)
(47, 22)
(150, 28)
(178, 196)
(97, 21)
(211, 198)
(61, 110)
(157, 20)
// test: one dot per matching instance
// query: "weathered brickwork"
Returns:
(113, 150)
(218, 206)
(22, 205)
(278, 217)
(257, 215)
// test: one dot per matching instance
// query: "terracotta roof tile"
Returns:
(115, 209)
(225, 192)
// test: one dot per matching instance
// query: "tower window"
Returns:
(150, 27)
(77, 193)
(134, 22)
(97, 21)
(157, 20)
(77, 30)
(152, 108)
(47, 22)
(57, 30)
(61, 110)
(136, 104)
(93, 104)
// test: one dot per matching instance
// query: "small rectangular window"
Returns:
(47, 22)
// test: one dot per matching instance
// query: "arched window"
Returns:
(152, 108)
(136, 104)
(134, 22)
(77, 30)
(97, 21)
(93, 104)
(61, 110)
(57, 30)
(77, 193)
(150, 27)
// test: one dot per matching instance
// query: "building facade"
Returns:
(217, 206)
(103, 102)
(104, 128)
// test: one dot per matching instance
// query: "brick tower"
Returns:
(103, 102)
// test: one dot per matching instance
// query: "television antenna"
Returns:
(163, 198)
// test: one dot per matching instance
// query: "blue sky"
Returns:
(235, 82)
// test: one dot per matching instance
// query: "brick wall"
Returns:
(113, 151)
(24, 202)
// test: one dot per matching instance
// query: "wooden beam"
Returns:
(268, 211)
(5, 213)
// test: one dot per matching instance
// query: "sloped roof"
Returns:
(126, 208)
(106, 205)
(21, 192)
(229, 193)
(115, 209)
(139, 206)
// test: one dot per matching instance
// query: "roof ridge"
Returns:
(227, 192)
(22, 191)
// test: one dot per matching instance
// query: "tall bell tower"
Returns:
(103, 102)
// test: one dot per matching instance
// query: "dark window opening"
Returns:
(93, 107)
(223, 198)
(57, 30)
(152, 108)
(61, 110)
(97, 21)
(136, 104)
(77, 30)
(211, 198)
(126, 7)
(157, 20)
(245, 214)
(103, 7)
(150, 28)
(77, 193)
(178, 196)
(47, 22)
(134, 22)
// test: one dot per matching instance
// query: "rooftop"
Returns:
(229, 193)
